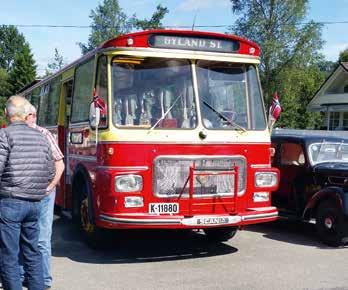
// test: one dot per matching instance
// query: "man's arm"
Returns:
(4, 151)
(59, 166)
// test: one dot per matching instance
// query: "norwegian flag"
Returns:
(99, 103)
(275, 109)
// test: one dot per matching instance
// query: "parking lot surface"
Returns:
(280, 255)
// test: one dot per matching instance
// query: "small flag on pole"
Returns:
(99, 102)
(274, 111)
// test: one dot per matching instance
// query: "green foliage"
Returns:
(343, 57)
(56, 64)
(290, 51)
(23, 71)
(11, 43)
(108, 20)
(5, 87)
(295, 93)
(154, 21)
(4, 92)
(17, 66)
(327, 67)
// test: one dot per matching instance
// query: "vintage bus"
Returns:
(162, 129)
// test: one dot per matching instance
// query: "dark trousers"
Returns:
(19, 231)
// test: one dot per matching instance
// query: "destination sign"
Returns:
(193, 43)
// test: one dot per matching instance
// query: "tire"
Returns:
(220, 234)
(330, 223)
(94, 236)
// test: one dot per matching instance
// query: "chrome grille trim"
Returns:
(181, 176)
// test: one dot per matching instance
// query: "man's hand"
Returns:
(49, 189)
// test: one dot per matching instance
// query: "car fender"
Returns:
(334, 193)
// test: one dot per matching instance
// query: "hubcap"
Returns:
(85, 222)
(328, 222)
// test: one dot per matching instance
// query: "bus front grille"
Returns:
(171, 173)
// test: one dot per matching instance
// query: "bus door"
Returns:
(67, 95)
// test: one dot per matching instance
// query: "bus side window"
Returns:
(83, 89)
(43, 100)
(102, 86)
(49, 103)
(35, 98)
(53, 103)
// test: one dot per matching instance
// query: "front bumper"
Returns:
(250, 216)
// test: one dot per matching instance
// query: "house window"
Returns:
(345, 121)
(345, 89)
(334, 120)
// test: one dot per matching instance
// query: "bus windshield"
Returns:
(157, 93)
(224, 89)
(153, 93)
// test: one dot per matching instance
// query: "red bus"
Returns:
(162, 129)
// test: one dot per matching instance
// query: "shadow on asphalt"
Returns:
(134, 246)
(292, 232)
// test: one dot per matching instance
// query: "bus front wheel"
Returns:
(94, 235)
(220, 234)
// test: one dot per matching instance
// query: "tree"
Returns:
(5, 87)
(23, 71)
(55, 65)
(11, 42)
(327, 66)
(290, 49)
(108, 20)
(296, 93)
(154, 21)
(343, 57)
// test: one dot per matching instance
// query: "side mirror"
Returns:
(94, 115)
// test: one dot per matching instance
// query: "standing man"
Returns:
(26, 169)
(47, 203)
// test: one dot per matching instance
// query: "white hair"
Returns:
(18, 107)
(32, 109)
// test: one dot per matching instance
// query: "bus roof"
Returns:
(185, 39)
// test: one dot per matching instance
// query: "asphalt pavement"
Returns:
(280, 255)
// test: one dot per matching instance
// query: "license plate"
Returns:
(158, 208)
(212, 221)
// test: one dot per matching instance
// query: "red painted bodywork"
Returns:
(106, 201)
(140, 39)
(103, 161)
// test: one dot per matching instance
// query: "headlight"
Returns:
(133, 201)
(128, 183)
(261, 196)
(266, 179)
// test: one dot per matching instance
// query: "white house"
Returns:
(332, 99)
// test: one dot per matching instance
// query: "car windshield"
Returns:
(153, 93)
(324, 151)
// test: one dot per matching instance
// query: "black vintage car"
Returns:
(313, 180)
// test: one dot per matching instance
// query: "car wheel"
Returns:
(330, 223)
(220, 234)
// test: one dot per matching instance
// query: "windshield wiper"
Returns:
(166, 113)
(222, 116)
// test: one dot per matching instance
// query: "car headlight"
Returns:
(266, 179)
(128, 183)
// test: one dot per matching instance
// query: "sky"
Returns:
(43, 41)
